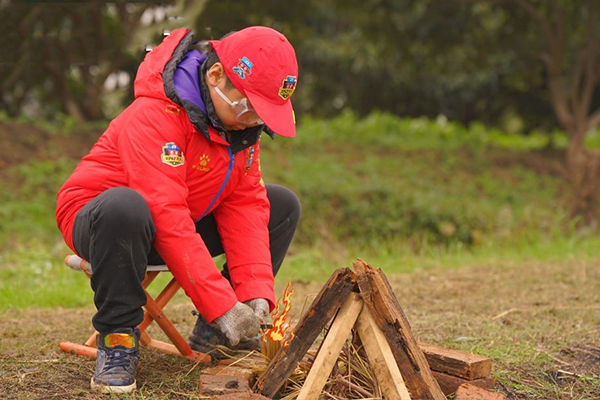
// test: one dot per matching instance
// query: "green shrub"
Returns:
(384, 179)
(405, 193)
(380, 179)
(27, 206)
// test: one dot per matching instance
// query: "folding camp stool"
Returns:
(152, 312)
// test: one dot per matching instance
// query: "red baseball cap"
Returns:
(261, 63)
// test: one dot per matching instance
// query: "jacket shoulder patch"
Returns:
(172, 109)
(172, 155)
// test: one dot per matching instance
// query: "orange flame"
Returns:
(286, 343)
(280, 328)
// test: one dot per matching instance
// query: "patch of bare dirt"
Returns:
(578, 360)
(544, 163)
(24, 142)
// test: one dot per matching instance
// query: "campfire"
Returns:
(277, 336)
(367, 349)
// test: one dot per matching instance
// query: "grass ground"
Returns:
(539, 322)
(474, 239)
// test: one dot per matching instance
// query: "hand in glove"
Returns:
(261, 309)
(238, 323)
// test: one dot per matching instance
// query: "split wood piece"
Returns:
(380, 357)
(353, 314)
(458, 363)
(321, 311)
(331, 347)
(381, 301)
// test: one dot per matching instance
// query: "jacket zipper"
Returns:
(231, 159)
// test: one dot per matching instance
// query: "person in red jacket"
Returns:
(176, 179)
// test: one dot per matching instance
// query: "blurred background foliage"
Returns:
(424, 127)
(518, 65)
(466, 60)
(412, 58)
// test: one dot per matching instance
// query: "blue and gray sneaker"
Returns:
(118, 355)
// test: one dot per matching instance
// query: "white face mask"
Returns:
(243, 110)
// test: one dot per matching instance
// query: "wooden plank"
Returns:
(384, 306)
(455, 362)
(380, 357)
(331, 347)
(322, 309)
(450, 383)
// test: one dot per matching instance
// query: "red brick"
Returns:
(449, 383)
(466, 391)
(225, 380)
(240, 395)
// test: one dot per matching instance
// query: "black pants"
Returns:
(114, 232)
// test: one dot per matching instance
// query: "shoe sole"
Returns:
(101, 388)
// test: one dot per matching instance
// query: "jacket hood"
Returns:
(156, 77)
(159, 65)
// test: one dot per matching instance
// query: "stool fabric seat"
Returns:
(77, 263)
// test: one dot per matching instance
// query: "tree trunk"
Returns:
(571, 91)
(92, 104)
(583, 167)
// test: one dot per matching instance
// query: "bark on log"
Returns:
(384, 306)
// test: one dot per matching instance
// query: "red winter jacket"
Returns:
(154, 148)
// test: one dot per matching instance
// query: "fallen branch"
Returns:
(354, 387)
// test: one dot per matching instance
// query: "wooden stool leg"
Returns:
(78, 349)
(149, 278)
(92, 339)
(167, 326)
(88, 349)
(163, 298)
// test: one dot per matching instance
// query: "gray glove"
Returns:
(238, 323)
(261, 309)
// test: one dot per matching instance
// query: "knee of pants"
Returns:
(124, 211)
(284, 203)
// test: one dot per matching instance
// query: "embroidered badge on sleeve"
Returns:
(172, 155)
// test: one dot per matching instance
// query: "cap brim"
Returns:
(278, 117)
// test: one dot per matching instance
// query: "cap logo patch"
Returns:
(288, 87)
(243, 67)
(172, 155)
